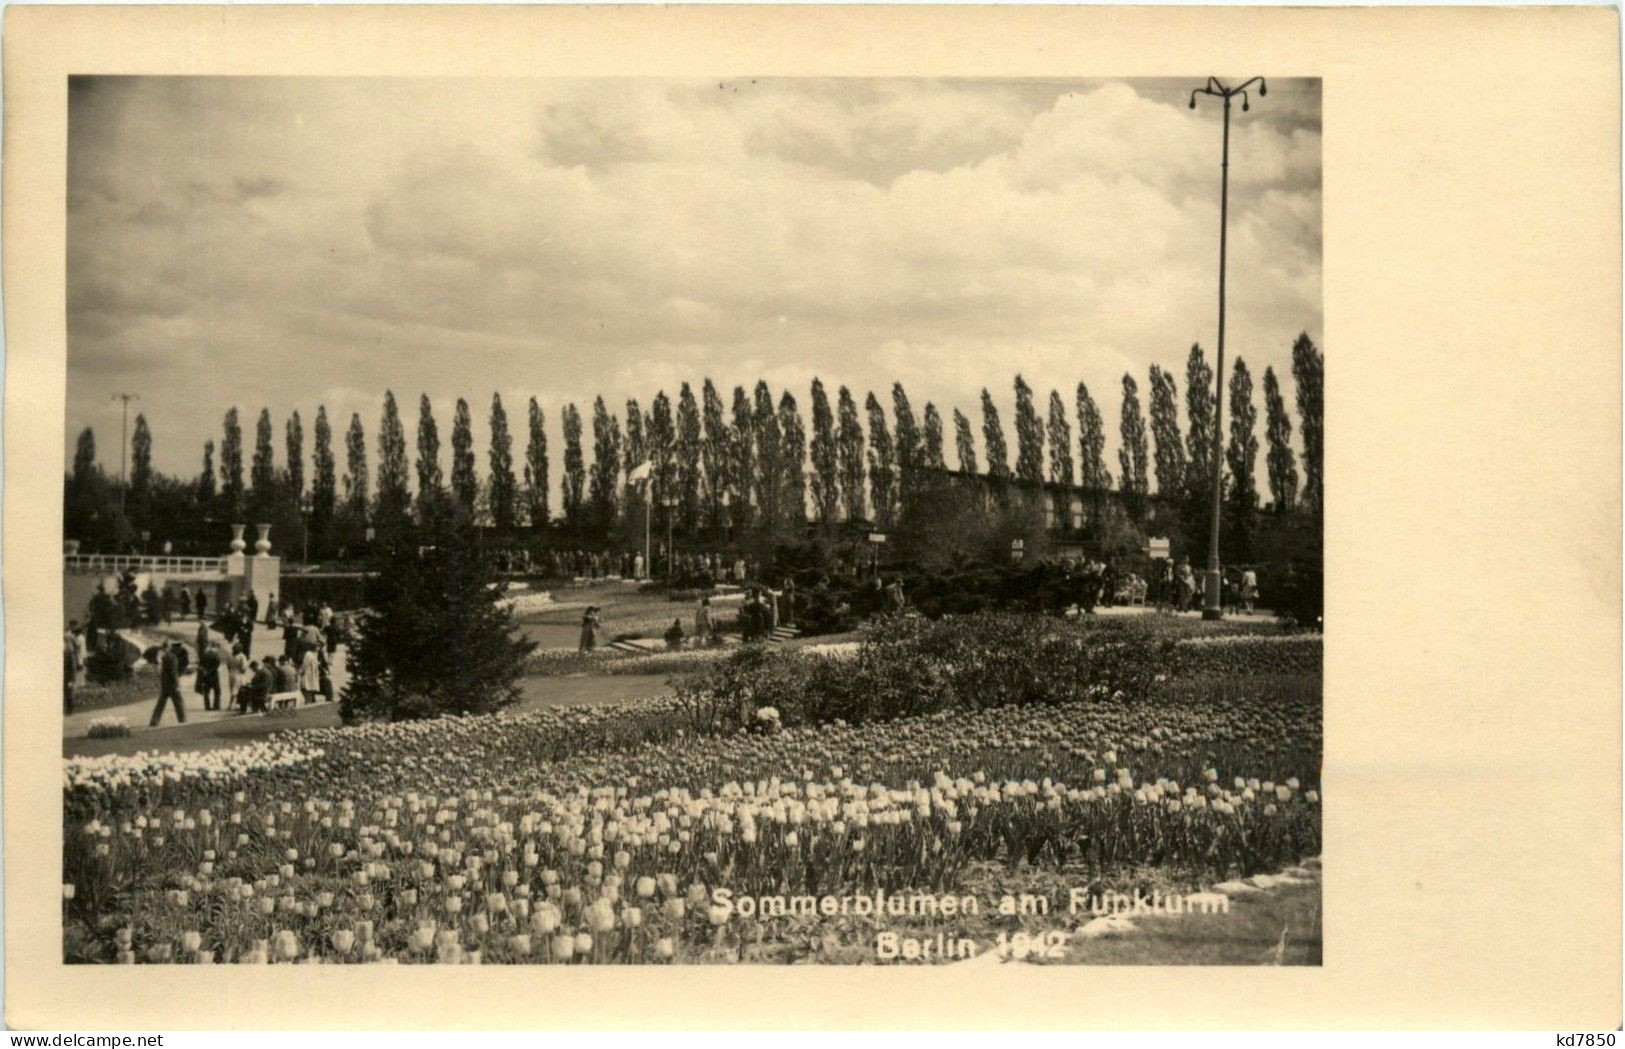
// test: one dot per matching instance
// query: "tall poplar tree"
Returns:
(964, 443)
(764, 424)
(688, 459)
(908, 443)
(793, 455)
(931, 456)
(465, 484)
(849, 445)
(1131, 455)
(393, 499)
(504, 489)
(205, 481)
(536, 479)
(660, 433)
(716, 452)
(1029, 436)
(323, 482)
(606, 466)
(231, 467)
(744, 456)
(357, 488)
(140, 497)
(575, 470)
(882, 465)
(993, 446)
(1199, 426)
(1060, 442)
(634, 453)
(826, 469)
(1241, 456)
(263, 473)
(1092, 472)
(293, 440)
(1308, 373)
(1282, 463)
(1169, 442)
(431, 481)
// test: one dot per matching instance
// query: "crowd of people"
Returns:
(230, 677)
(692, 568)
(1179, 587)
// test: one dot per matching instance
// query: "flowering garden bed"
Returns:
(604, 834)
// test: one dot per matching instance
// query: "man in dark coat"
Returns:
(169, 685)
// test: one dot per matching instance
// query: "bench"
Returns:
(283, 701)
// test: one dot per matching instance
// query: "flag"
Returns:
(640, 472)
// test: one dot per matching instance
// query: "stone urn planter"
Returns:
(262, 545)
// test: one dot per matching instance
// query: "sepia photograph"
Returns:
(669, 521)
(800, 517)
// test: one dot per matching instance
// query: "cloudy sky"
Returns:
(289, 242)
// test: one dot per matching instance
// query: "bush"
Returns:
(1302, 589)
(106, 665)
(437, 638)
(108, 728)
(910, 666)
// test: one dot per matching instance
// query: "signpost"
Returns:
(1018, 549)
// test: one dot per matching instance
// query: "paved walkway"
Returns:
(139, 713)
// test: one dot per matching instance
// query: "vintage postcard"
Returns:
(610, 502)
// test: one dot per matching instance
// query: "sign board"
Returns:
(1018, 544)
(877, 537)
(1157, 548)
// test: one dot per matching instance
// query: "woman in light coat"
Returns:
(310, 675)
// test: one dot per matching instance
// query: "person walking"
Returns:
(260, 684)
(237, 679)
(325, 670)
(207, 682)
(589, 628)
(202, 605)
(70, 671)
(169, 686)
(287, 676)
(702, 621)
(310, 676)
(290, 637)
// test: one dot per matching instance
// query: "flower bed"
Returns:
(602, 834)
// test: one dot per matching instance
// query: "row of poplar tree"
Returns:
(744, 465)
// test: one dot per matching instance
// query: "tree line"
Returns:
(753, 464)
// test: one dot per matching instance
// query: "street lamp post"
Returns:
(670, 503)
(1213, 607)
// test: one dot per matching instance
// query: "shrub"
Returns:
(909, 666)
(437, 638)
(106, 664)
(108, 728)
(1302, 589)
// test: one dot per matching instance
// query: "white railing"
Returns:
(99, 564)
